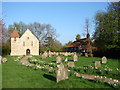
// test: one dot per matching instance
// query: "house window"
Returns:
(14, 39)
(23, 43)
(32, 43)
(27, 37)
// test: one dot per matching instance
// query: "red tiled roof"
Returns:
(15, 34)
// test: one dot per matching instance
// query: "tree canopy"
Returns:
(106, 35)
(107, 32)
(78, 36)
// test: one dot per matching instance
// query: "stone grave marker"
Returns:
(59, 59)
(66, 59)
(3, 60)
(61, 72)
(45, 54)
(75, 57)
(86, 54)
(104, 59)
(71, 64)
(49, 54)
(66, 54)
(97, 64)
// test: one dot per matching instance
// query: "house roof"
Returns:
(74, 44)
(15, 34)
(78, 43)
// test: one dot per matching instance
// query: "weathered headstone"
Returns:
(61, 72)
(66, 59)
(71, 64)
(45, 54)
(58, 59)
(66, 54)
(86, 54)
(49, 54)
(3, 60)
(80, 54)
(97, 64)
(75, 57)
(104, 59)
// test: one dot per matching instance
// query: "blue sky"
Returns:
(67, 18)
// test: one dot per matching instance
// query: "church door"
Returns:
(28, 52)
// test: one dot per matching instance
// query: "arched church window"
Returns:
(14, 39)
(23, 43)
(31, 43)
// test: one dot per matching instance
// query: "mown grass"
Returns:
(15, 75)
(0, 76)
(89, 61)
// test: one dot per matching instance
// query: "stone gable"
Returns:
(25, 45)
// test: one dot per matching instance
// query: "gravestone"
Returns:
(3, 60)
(104, 59)
(66, 54)
(58, 59)
(97, 64)
(66, 59)
(45, 54)
(80, 54)
(86, 54)
(75, 57)
(61, 72)
(49, 54)
(71, 64)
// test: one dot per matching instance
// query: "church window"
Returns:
(32, 43)
(23, 43)
(14, 39)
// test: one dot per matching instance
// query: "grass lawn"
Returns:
(15, 75)
(0, 76)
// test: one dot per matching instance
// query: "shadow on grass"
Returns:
(54, 61)
(50, 77)
(70, 60)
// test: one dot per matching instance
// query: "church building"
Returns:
(27, 44)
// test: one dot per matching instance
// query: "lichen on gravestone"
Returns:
(61, 72)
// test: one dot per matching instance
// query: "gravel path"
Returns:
(25, 61)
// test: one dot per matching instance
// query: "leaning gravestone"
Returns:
(71, 64)
(104, 59)
(58, 59)
(97, 64)
(3, 60)
(75, 57)
(61, 72)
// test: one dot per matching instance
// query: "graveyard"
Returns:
(60, 44)
(43, 72)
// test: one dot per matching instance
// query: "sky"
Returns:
(68, 18)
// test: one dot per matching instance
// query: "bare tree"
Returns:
(87, 27)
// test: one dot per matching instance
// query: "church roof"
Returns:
(15, 34)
